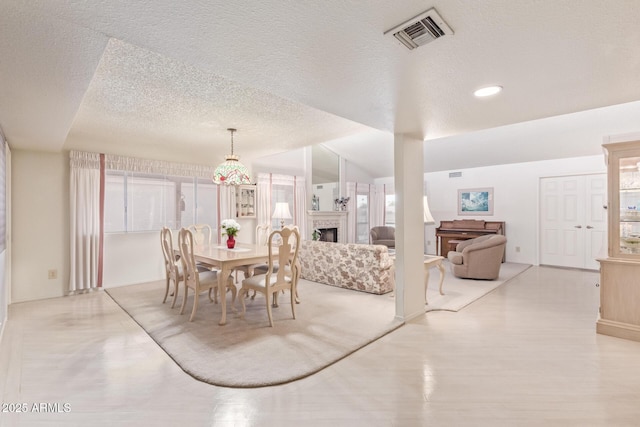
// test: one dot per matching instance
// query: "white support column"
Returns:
(408, 181)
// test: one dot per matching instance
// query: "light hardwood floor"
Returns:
(525, 355)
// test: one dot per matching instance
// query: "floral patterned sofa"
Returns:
(365, 268)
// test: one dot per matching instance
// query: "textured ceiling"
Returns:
(124, 76)
(177, 111)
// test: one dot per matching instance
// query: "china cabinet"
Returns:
(619, 272)
(246, 201)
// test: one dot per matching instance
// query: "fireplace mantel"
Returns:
(329, 219)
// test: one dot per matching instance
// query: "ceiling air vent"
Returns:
(420, 30)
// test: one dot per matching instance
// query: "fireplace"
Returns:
(332, 225)
(328, 234)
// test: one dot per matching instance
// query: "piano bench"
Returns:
(453, 244)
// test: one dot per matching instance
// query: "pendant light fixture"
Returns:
(231, 171)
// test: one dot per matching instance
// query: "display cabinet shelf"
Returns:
(246, 201)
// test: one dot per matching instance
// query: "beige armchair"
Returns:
(383, 235)
(478, 258)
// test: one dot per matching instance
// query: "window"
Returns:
(362, 220)
(390, 209)
(281, 193)
(198, 203)
(147, 202)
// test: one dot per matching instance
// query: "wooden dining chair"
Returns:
(202, 235)
(173, 266)
(262, 269)
(262, 236)
(283, 251)
(199, 281)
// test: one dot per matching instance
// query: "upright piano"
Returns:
(464, 229)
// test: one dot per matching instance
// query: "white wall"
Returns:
(132, 258)
(327, 194)
(516, 198)
(354, 173)
(40, 224)
(5, 257)
(288, 163)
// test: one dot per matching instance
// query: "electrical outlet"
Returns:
(517, 248)
(53, 274)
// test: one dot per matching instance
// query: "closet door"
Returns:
(572, 220)
(596, 220)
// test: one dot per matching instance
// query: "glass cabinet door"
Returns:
(246, 201)
(623, 175)
(629, 205)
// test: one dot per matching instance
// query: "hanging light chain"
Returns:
(232, 130)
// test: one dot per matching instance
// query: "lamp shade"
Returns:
(282, 211)
(428, 218)
(231, 172)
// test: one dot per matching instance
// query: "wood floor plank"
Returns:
(526, 354)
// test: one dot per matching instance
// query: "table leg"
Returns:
(426, 283)
(223, 277)
(441, 268)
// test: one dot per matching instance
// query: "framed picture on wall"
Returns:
(475, 201)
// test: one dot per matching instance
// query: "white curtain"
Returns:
(85, 220)
(352, 208)
(298, 190)
(227, 206)
(300, 206)
(377, 204)
(264, 198)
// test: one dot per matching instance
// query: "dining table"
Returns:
(225, 260)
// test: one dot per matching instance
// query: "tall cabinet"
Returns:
(620, 272)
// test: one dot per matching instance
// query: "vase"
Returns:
(231, 242)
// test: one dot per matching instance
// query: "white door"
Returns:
(573, 220)
(596, 219)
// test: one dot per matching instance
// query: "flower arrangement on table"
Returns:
(230, 228)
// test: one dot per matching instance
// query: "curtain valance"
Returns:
(84, 160)
(80, 159)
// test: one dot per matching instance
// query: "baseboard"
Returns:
(618, 329)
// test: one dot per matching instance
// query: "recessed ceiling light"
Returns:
(487, 91)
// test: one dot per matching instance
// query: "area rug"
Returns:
(330, 324)
(459, 293)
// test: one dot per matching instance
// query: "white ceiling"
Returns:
(165, 79)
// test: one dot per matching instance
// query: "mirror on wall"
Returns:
(325, 178)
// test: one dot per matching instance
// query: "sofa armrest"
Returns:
(455, 257)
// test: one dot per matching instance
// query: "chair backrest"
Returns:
(293, 242)
(262, 234)
(166, 242)
(202, 233)
(482, 242)
(185, 242)
(287, 242)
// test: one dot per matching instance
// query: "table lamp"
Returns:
(282, 212)
(428, 218)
